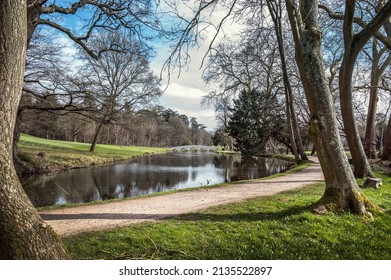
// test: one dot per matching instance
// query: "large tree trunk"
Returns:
(33, 11)
(23, 234)
(342, 191)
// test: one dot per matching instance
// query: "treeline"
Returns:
(156, 127)
(112, 98)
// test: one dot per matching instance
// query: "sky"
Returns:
(184, 92)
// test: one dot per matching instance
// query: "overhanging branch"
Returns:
(382, 38)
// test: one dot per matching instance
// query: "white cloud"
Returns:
(187, 100)
(184, 93)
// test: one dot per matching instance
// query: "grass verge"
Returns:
(60, 155)
(277, 227)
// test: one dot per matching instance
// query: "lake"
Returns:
(146, 175)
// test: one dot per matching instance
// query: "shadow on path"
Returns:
(181, 217)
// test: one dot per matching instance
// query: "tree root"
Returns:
(337, 201)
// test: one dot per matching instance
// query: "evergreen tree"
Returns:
(253, 120)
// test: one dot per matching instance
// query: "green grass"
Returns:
(277, 227)
(64, 154)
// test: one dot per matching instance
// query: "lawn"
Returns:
(277, 227)
(65, 154)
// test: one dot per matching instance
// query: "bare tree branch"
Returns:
(369, 29)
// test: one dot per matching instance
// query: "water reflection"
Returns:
(146, 175)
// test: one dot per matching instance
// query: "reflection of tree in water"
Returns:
(136, 179)
(103, 183)
(35, 190)
(238, 168)
(146, 175)
(184, 159)
(66, 187)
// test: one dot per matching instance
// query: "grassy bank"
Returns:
(277, 227)
(58, 155)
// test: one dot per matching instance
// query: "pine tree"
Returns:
(253, 120)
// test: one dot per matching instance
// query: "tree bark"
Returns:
(294, 132)
(23, 234)
(293, 145)
(386, 155)
(370, 135)
(377, 71)
(353, 45)
(359, 159)
(33, 12)
(95, 139)
(342, 191)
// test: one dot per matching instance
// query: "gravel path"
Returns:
(75, 220)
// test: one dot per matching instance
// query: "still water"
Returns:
(146, 175)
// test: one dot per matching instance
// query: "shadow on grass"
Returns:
(248, 217)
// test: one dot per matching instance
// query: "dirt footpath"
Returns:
(103, 216)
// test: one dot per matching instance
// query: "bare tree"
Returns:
(97, 15)
(381, 59)
(342, 191)
(119, 79)
(354, 43)
(254, 64)
(377, 70)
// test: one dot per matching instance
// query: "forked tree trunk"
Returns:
(342, 191)
(23, 234)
